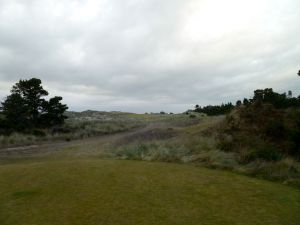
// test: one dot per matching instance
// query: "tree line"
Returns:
(268, 96)
(279, 101)
(214, 110)
(26, 108)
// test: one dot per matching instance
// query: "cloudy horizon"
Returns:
(150, 55)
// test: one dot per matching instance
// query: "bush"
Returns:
(226, 143)
(155, 151)
(39, 133)
(275, 129)
(214, 159)
(286, 170)
(293, 182)
(267, 153)
(16, 139)
(135, 152)
(169, 153)
(259, 125)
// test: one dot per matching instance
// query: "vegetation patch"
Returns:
(149, 135)
(155, 151)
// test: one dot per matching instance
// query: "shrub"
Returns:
(168, 153)
(275, 129)
(287, 170)
(259, 125)
(295, 182)
(226, 143)
(155, 151)
(267, 153)
(215, 159)
(39, 133)
(17, 139)
(136, 152)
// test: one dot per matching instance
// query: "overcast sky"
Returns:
(150, 55)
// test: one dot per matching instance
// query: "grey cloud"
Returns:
(137, 56)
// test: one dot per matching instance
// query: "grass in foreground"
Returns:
(93, 191)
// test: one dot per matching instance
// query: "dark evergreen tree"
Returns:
(53, 112)
(215, 110)
(15, 111)
(246, 102)
(280, 101)
(258, 95)
(26, 108)
(31, 91)
(261, 96)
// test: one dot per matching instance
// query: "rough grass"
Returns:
(72, 130)
(92, 124)
(91, 191)
(198, 144)
(164, 138)
(18, 138)
(153, 151)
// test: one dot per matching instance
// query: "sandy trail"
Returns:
(88, 145)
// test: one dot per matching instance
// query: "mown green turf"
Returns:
(110, 192)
